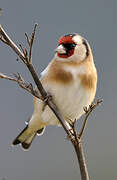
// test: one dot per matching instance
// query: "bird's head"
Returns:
(72, 47)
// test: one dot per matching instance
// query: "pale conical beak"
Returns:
(60, 49)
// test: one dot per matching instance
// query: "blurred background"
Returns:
(52, 156)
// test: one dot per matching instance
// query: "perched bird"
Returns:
(71, 79)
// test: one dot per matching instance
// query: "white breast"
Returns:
(70, 99)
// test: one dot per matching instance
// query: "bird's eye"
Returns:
(69, 46)
(73, 45)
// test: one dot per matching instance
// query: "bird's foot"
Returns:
(48, 97)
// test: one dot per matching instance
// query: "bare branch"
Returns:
(31, 43)
(77, 141)
(27, 39)
(9, 42)
(3, 76)
(4, 41)
(18, 79)
(88, 112)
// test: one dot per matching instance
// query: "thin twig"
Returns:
(25, 53)
(27, 39)
(4, 41)
(11, 43)
(20, 81)
(88, 112)
(31, 43)
(3, 76)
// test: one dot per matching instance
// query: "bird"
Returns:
(71, 79)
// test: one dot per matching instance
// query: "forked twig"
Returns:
(30, 42)
(72, 123)
(87, 113)
(27, 39)
(9, 42)
(20, 81)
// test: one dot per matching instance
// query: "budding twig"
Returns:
(31, 43)
(87, 113)
(20, 81)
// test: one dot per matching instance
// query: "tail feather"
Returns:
(26, 137)
(26, 144)
(40, 131)
(18, 140)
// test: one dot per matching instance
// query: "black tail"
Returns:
(26, 137)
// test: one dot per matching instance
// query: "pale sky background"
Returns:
(51, 156)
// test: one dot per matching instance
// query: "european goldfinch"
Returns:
(71, 79)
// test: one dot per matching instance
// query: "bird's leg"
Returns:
(48, 97)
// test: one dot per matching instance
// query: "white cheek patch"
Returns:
(77, 39)
(80, 52)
